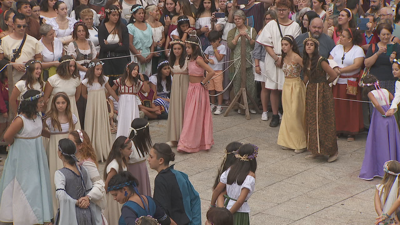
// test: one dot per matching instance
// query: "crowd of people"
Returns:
(74, 72)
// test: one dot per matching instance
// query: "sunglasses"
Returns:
(22, 26)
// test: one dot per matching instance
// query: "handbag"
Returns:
(351, 87)
(366, 69)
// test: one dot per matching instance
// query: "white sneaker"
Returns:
(212, 107)
(239, 111)
(264, 116)
(252, 111)
(218, 111)
(280, 115)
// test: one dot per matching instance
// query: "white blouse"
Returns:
(49, 56)
(59, 32)
(348, 59)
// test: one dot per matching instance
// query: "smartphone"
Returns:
(389, 49)
(331, 7)
(219, 15)
(362, 24)
(242, 2)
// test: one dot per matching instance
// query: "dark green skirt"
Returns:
(240, 218)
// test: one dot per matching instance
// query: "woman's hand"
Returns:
(148, 58)
(381, 50)
(106, 42)
(278, 62)
(243, 33)
(83, 202)
(188, 30)
(204, 29)
(258, 70)
(381, 218)
(213, 19)
(337, 70)
(167, 20)
(19, 67)
(141, 59)
(390, 112)
(392, 56)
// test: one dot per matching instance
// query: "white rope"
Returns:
(234, 75)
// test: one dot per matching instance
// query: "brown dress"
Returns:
(320, 114)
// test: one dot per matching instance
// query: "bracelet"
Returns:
(202, 83)
(259, 65)
(212, 206)
(277, 58)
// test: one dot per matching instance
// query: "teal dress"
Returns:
(25, 193)
(142, 40)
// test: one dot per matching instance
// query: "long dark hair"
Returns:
(63, 68)
(165, 12)
(69, 148)
(29, 76)
(141, 138)
(196, 50)
(132, 19)
(90, 73)
(29, 108)
(123, 177)
(185, 7)
(182, 20)
(202, 9)
(368, 79)
(310, 16)
(172, 56)
(229, 160)
(240, 169)
(115, 153)
(127, 74)
(314, 60)
(118, 26)
(159, 79)
(295, 48)
(7, 15)
(44, 5)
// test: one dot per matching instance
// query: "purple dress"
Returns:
(383, 141)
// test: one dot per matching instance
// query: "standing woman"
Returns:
(270, 37)
(86, 16)
(349, 56)
(377, 59)
(197, 131)
(140, 39)
(234, 42)
(36, 12)
(167, 14)
(318, 7)
(66, 80)
(114, 42)
(259, 53)
(62, 24)
(52, 50)
(26, 162)
(127, 7)
(345, 21)
(153, 14)
(47, 10)
(320, 116)
(8, 21)
(178, 64)
(203, 21)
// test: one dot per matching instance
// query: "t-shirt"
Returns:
(325, 47)
(382, 68)
(211, 55)
(255, 16)
(348, 59)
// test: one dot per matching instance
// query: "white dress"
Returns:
(271, 37)
(69, 87)
(158, 33)
(49, 56)
(113, 209)
(55, 163)
(96, 119)
(128, 108)
(25, 191)
(94, 37)
(62, 34)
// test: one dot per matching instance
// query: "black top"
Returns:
(382, 68)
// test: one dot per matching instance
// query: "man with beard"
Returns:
(374, 7)
(326, 43)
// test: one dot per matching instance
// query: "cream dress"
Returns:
(113, 209)
(55, 163)
(96, 119)
(69, 87)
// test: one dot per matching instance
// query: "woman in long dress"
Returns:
(25, 192)
(66, 80)
(320, 110)
(178, 64)
(94, 88)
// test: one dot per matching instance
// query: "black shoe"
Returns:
(3, 149)
(275, 121)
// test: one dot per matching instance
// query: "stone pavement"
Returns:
(289, 188)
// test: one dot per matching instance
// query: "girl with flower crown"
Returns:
(383, 141)
(386, 194)
(140, 39)
(25, 182)
(94, 88)
(239, 181)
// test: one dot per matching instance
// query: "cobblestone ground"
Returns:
(289, 188)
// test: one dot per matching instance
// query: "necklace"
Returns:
(344, 53)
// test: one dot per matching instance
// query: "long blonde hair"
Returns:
(53, 112)
(388, 179)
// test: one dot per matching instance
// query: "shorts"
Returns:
(216, 81)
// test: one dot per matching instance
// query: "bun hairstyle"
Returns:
(164, 151)
(68, 150)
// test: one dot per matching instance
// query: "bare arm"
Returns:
(357, 64)
(112, 92)
(13, 100)
(84, 91)
(332, 74)
(377, 106)
(109, 176)
(78, 92)
(16, 125)
(48, 89)
(206, 67)
(377, 203)
(217, 191)
(240, 200)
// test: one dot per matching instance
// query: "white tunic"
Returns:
(271, 37)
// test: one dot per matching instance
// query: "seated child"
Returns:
(215, 54)
(147, 106)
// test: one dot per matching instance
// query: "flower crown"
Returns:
(31, 63)
(67, 60)
(165, 62)
(370, 84)
(192, 42)
(177, 41)
(139, 220)
(396, 61)
(93, 64)
(310, 39)
(80, 135)
(246, 157)
(386, 169)
(33, 98)
(136, 8)
(109, 11)
(183, 20)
